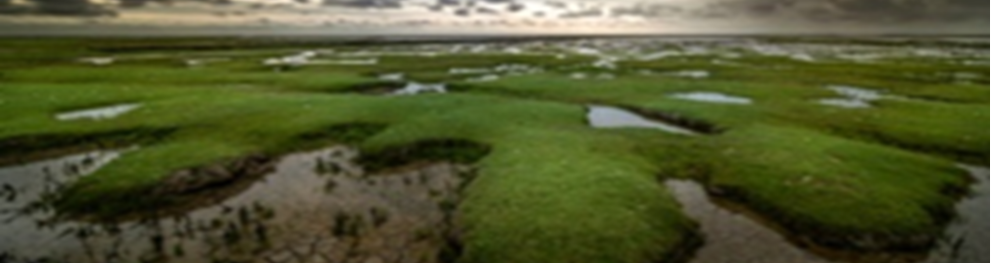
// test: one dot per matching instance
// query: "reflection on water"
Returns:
(713, 97)
(731, 237)
(612, 117)
(846, 103)
(98, 114)
(966, 240)
(414, 88)
(25, 229)
(316, 207)
(692, 74)
(392, 77)
(852, 97)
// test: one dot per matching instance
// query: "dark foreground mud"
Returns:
(314, 207)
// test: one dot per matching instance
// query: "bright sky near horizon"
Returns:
(384, 17)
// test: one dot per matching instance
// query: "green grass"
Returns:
(550, 188)
(807, 180)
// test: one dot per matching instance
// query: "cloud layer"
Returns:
(970, 14)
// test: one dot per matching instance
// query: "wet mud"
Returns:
(315, 207)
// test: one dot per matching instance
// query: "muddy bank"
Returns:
(425, 152)
(24, 149)
(195, 180)
(319, 206)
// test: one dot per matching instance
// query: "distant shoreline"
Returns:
(415, 39)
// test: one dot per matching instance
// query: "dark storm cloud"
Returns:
(586, 13)
(8, 8)
(557, 4)
(515, 7)
(133, 3)
(82, 8)
(380, 4)
(467, 8)
(85, 8)
(449, 2)
(486, 11)
(648, 10)
(852, 10)
(143, 3)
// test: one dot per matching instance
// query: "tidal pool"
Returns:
(713, 97)
(485, 78)
(856, 93)
(414, 88)
(852, 97)
(316, 207)
(966, 241)
(731, 237)
(392, 77)
(100, 62)
(691, 74)
(846, 103)
(98, 113)
(612, 117)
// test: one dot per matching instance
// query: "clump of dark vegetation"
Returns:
(457, 151)
(351, 133)
(34, 147)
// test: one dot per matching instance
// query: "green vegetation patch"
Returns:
(549, 187)
(837, 192)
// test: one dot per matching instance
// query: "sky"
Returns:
(479, 17)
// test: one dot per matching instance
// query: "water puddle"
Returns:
(856, 93)
(660, 55)
(803, 57)
(468, 71)
(606, 63)
(392, 77)
(611, 117)
(196, 63)
(503, 69)
(713, 97)
(732, 237)
(852, 97)
(297, 60)
(414, 88)
(966, 240)
(586, 51)
(691, 74)
(24, 220)
(976, 63)
(967, 76)
(99, 62)
(98, 113)
(485, 78)
(518, 69)
(347, 62)
(846, 103)
(316, 207)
